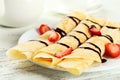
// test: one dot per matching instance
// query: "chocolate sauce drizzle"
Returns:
(112, 27)
(94, 51)
(94, 46)
(92, 26)
(108, 37)
(104, 60)
(40, 42)
(61, 32)
(94, 22)
(75, 19)
(86, 25)
(81, 33)
(79, 43)
(63, 44)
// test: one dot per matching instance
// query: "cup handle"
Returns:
(2, 8)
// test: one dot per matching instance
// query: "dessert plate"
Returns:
(110, 64)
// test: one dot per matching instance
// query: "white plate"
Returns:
(112, 12)
(28, 35)
(110, 64)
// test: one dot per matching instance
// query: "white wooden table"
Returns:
(25, 70)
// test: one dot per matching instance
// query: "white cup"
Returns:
(20, 13)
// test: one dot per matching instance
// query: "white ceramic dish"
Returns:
(110, 64)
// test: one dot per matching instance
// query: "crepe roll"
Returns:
(113, 30)
(92, 51)
(74, 39)
(25, 50)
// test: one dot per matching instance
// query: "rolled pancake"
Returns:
(25, 50)
(91, 51)
(74, 39)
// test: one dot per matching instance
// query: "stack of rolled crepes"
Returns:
(46, 55)
(87, 49)
(25, 50)
(90, 52)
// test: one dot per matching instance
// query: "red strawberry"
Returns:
(118, 44)
(43, 28)
(94, 31)
(53, 37)
(64, 53)
(112, 50)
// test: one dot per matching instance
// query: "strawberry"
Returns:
(64, 53)
(53, 37)
(112, 50)
(43, 28)
(118, 44)
(94, 31)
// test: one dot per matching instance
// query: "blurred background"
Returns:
(18, 16)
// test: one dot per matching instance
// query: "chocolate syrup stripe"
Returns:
(101, 25)
(75, 19)
(94, 22)
(79, 43)
(112, 27)
(88, 48)
(98, 52)
(94, 46)
(40, 42)
(86, 25)
(108, 37)
(61, 32)
(63, 44)
(81, 33)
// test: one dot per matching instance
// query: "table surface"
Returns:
(26, 70)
